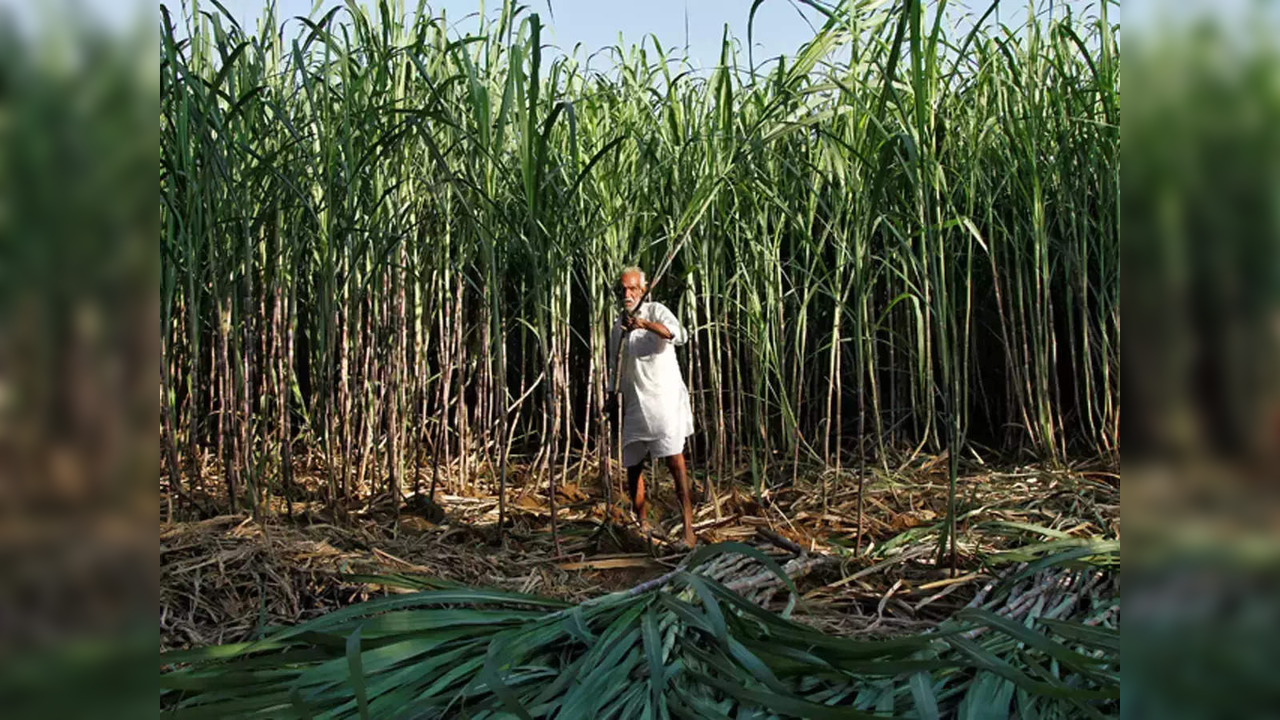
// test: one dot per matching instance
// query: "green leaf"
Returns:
(577, 626)
(988, 661)
(987, 699)
(922, 693)
(653, 653)
(434, 597)
(489, 673)
(357, 673)
(755, 666)
(1017, 631)
(1098, 637)
(1071, 549)
(686, 612)
(791, 705)
(1029, 527)
(715, 618)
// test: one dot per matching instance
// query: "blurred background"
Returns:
(1201, 298)
(79, 357)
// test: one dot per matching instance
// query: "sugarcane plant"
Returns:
(682, 644)
(387, 247)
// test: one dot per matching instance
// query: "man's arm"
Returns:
(667, 326)
(656, 328)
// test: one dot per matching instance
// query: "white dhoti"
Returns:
(658, 415)
(634, 453)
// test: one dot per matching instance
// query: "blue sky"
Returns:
(595, 24)
(779, 26)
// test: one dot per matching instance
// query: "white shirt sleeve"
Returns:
(666, 317)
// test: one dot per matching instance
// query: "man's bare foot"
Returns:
(680, 546)
(690, 540)
(652, 529)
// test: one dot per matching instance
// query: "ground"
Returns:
(227, 577)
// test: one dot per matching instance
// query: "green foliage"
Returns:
(689, 647)
(382, 240)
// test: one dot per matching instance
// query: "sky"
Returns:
(779, 26)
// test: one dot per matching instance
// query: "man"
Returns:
(657, 416)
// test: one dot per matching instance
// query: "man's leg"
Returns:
(635, 487)
(675, 463)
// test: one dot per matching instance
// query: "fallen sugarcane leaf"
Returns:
(902, 557)
(709, 524)
(948, 581)
(612, 563)
(936, 596)
(541, 665)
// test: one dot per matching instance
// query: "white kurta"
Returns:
(656, 399)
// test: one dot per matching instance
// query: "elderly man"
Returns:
(657, 417)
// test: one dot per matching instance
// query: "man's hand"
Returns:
(630, 322)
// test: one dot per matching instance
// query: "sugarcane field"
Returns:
(502, 378)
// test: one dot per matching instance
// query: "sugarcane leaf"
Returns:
(408, 582)
(988, 661)
(885, 702)
(790, 705)
(404, 621)
(605, 687)
(447, 680)
(988, 698)
(688, 705)
(603, 666)
(806, 660)
(922, 694)
(238, 707)
(1053, 679)
(575, 625)
(755, 666)
(1075, 549)
(653, 653)
(1029, 527)
(715, 617)
(686, 612)
(625, 703)
(333, 672)
(489, 673)
(214, 653)
(223, 680)
(303, 709)
(798, 634)
(357, 673)
(1091, 635)
(566, 676)
(1029, 706)
(1019, 632)
(423, 599)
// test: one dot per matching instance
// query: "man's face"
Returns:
(630, 288)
